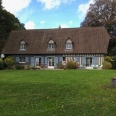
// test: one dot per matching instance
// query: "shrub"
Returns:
(19, 67)
(27, 67)
(76, 65)
(107, 58)
(107, 65)
(9, 61)
(1, 63)
(72, 65)
(32, 67)
(113, 61)
(59, 65)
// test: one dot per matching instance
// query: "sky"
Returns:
(44, 14)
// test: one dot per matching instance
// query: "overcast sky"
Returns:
(41, 14)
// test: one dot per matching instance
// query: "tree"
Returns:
(1, 63)
(101, 13)
(1, 7)
(8, 22)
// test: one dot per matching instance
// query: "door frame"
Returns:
(89, 62)
(51, 62)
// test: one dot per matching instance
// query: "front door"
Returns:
(88, 61)
(51, 62)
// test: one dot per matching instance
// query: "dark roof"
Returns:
(86, 40)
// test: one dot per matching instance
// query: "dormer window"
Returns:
(68, 44)
(22, 45)
(51, 45)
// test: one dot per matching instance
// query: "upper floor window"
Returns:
(22, 45)
(68, 44)
(51, 45)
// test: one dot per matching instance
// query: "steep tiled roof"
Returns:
(86, 40)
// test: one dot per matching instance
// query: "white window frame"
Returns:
(22, 59)
(68, 44)
(22, 45)
(51, 45)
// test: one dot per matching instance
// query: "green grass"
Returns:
(57, 93)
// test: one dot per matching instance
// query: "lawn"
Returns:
(57, 93)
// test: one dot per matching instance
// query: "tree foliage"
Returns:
(101, 13)
(8, 22)
(1, 63)
(114, 62)
(1, 7)
(107, 58)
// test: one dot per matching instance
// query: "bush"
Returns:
(33, 67)
(59, 66)
(27, 67)
(113, 62)
(107, 58)
(107, 65)
(72, 65)
(9, 61)
(19, 67)
(1, 63)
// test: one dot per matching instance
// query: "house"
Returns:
(48, 47)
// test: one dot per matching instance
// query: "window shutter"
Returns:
(95, 60)
(77, 59)
(60, 59)
(42, 60)
(46, 61)
(83, 61)
(32, 61)
(55, 62)
(26, 59)
(17, 59)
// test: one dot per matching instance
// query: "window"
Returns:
(22, 59)
(22, 45)
(37, 61)
(68, 44)
(64, 58)
(51, 45)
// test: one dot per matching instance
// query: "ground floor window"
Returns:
(22, 59)
(88, 61)
(37, 61)
(50, 61)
